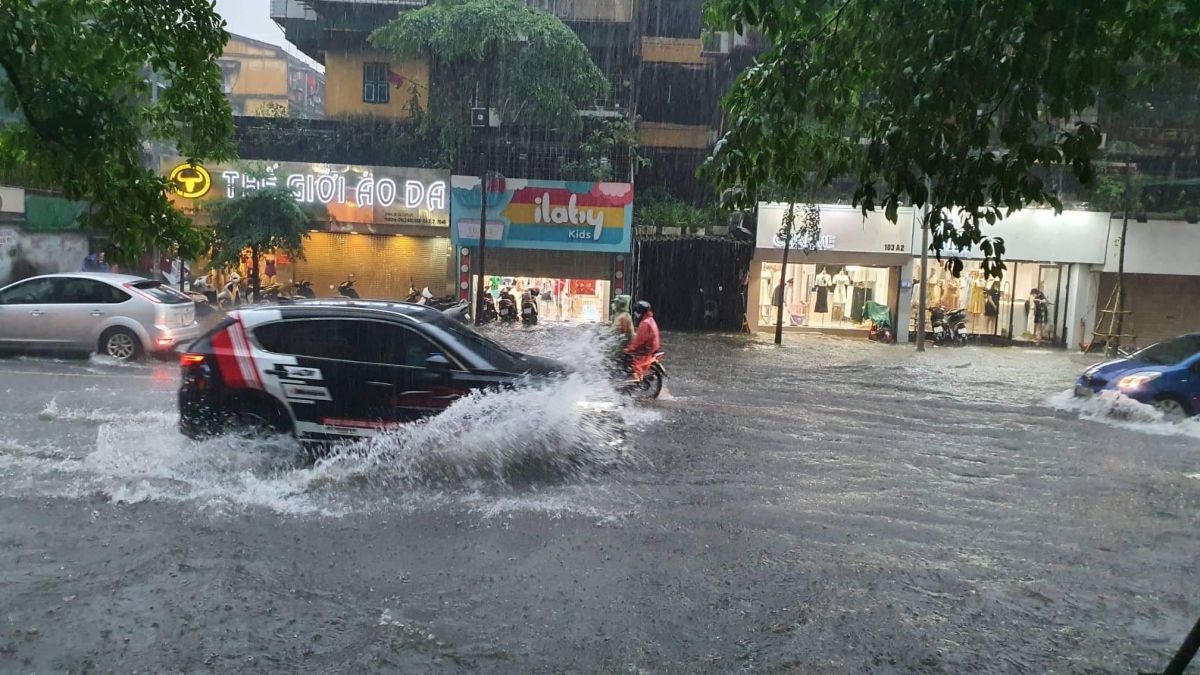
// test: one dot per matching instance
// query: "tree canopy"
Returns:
(542, 70)
(263, 221)
(974, 98)
(75, 72)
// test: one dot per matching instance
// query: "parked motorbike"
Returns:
(490, 313)
(303, 289)
(230, 296)
(346, 288)
(646, 376)
(507, 307)
(460, 312)
(529, 310)
(949, 328)
(414, 296)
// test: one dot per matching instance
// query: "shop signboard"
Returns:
(342, 195)
(843, 229)
(544, 214)
(1041, 235)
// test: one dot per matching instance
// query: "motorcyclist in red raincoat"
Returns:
(640, 351)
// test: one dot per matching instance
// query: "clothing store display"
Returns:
(824, 281)
(977, 303)
(839, 311)
(950, 297)
(860, 297)
(269, 272)
(1041, 311)
(841, 288)
(822, 304)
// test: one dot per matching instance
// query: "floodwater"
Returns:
(833, 506)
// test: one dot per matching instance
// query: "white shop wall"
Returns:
(1156, 247)
(1041, 235)
(843, 229)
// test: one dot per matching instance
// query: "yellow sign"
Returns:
(191, 181)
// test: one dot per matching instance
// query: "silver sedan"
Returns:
(117, 315)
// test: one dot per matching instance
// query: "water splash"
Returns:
(1117, 409)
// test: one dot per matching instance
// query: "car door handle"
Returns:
(37, 312)
(379, 384)
(97, 313)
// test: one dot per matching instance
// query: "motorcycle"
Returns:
(646, 376)
(346, 289)
(529, 310)
(490, 313)
(460, 312)
(949, 328)
(507, 308)
(230, 296)
(303, 289)
(414, 296)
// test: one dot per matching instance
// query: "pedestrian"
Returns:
(779, 293)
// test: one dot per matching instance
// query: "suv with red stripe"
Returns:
(328, 369)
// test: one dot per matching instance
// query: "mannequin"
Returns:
(841, 295)
(824, 281)
(937, 293)
(977, 303)
(951, 294)
(991, 309)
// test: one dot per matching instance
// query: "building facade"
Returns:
(263, 79)
(567, 241)
(388, 226)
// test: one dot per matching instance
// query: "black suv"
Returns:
(327, 370)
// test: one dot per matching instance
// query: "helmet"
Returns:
(640, 307)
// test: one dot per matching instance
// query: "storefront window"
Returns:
(1021, 304)
(574, 300)
(821, 296)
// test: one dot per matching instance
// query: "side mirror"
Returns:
(437, 362)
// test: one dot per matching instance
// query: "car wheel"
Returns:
(1171, 407)
(121, 344)
(254, 420)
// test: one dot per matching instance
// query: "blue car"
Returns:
(1165, 375)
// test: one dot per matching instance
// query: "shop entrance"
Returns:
(1022, 304)
(822, 296)
(567, 300)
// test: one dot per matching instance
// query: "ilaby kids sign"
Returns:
(556, 215)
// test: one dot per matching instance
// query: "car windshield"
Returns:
(164, 294)
(491, 351)
(1170, 352)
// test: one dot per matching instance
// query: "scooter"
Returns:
(529, 311)
(231, 296)
(460, 312)
(303, 289)
(490, 313)
(508, 308)
(949, 328)
(646, 378)
(346, 289)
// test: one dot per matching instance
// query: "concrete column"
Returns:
(904, 300)
(1081, 305)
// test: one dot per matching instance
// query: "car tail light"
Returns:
(191, 359)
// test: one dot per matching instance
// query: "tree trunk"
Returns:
(254, 274)
(789, 227)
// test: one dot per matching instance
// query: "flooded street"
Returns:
(833, 506)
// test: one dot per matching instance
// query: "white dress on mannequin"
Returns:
(841, 288)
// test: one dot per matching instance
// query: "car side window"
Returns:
(89, 292)
(32, 292)
(390, 344)
(317, 339)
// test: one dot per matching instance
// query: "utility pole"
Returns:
(480, 299)
(922, 292)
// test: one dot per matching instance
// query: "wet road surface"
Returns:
(829, 507)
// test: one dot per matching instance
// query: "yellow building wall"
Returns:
(344, 84)
(665, 135)
(672, 50)
(264, 106)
